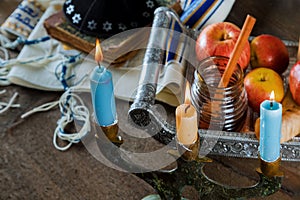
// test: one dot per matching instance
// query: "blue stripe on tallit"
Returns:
(195, 11)
(189, 17)
(208, 16)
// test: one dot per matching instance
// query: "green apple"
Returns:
(259, 83)
(269, 51)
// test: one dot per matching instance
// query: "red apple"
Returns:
(294, 82)
(269, 51)
(259, 83)
(219, 39)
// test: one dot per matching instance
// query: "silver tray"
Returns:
(143, 115)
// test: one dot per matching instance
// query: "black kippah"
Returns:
(108, 17)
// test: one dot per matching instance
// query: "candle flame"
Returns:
(98, 52)
(187, 94)
(272, 96)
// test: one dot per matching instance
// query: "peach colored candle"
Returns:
(186, 121)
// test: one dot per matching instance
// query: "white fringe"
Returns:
(5, 106)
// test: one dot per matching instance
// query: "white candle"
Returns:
(186, 121)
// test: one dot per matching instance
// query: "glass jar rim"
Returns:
(212, 58)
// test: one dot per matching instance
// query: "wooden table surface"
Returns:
(31, 168)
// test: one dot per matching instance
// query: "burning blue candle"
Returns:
(102, 92)
(270, 129)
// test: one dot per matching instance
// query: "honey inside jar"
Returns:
(219, 108)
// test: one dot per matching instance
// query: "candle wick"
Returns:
(271, 104)
(185, 110)
(99, 64)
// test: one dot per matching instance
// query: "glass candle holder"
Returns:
(219, 108)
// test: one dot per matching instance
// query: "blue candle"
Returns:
(103, 96)
(270, 130)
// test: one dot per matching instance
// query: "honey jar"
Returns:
(219, 108)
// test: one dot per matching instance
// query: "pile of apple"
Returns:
(266, 55)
